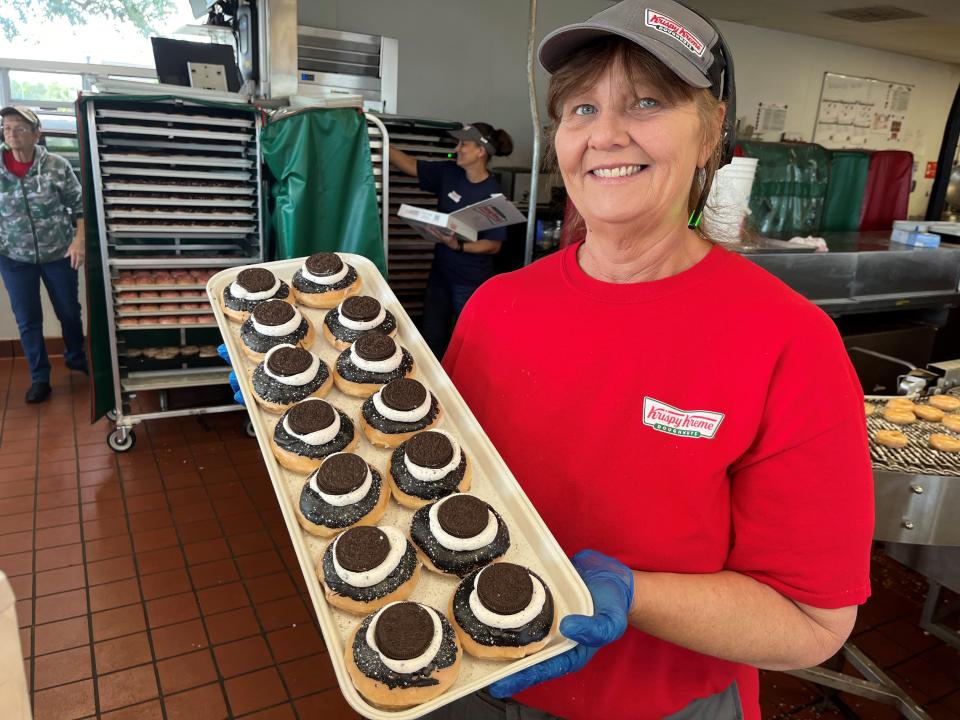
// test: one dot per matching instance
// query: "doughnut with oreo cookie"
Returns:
(427, 467)
(271, 323)
(367, 567)
(324, 280)
(344, 491)
(355, 317)
(459, 534)
(289, 374)
(309, 431)
(396, 411)
(252, 286)
(403, 655)
(371, 362)
(503, 612)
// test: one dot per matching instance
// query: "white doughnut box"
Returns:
(531, 542)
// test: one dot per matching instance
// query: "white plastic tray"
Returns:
(531, 543)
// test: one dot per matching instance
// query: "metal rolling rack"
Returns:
(177, 190)
(408, 255)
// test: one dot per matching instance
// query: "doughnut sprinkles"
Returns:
(309, 431)
(459, 534)
(891, 438)
(396, 411)
(367, 567)
(373, 360)
(271, 323)
(289, 374)
(928, 413)
(403, 655)
(502, 611)
(947, 403)
(324, 280)
(355, 317)
(427, 467)
(944, 443)
(252, 287)
(344, 491)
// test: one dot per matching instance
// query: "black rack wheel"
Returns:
(249, 429)
(121, 440)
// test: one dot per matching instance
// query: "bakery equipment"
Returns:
(177, 191)
(917, 496)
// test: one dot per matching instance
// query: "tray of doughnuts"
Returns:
(431, 573)
(915, 434)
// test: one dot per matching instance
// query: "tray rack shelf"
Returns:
(178, 197)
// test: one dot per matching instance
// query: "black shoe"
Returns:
(81, 368)
(38, 392)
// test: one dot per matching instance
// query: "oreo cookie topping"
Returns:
(426, 490)
(399, 575)
(429, 450)
(375, 347)
(362, 548)
(292, 443)
(349, 371)
(403, 631)
(256, 280)
(533, 631)
(458, 562)
(463, 516)
(310, 416)
(323, 264)
(360, 308)
(320, 512)
(272, 390)
(368, 660)
(395, 427)
(342, 474)
(273, 312)
(258, 342)
(289, 361)
(505, 588)
(403, 394)
(308, 286)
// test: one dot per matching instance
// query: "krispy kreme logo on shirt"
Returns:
(685, 423)
(662, 23)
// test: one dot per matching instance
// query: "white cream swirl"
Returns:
(300, 378)
(377, 366)
(418, 413)
(433, 474)
(277, 330)
(241, 293)
(413, 664)
(484, 538)
(361, 324)
(317, 437)
(368, 578)
(515, 620)
(324, 279)
(350, 498)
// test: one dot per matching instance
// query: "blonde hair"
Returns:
(587, 65)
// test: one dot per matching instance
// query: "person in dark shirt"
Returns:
(458, 268)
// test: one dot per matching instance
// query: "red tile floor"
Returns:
(161, 583)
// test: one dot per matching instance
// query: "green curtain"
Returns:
(848, 182)
(323, 191)
(789, 188)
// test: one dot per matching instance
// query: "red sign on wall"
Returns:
(931, 171)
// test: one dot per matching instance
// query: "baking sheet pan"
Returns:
(175, 118)
(212, 188)
(199, 160)
(191, 174)
(532, 543)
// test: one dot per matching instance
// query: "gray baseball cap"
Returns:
(469, 132)
(674, 34)
(26, 113)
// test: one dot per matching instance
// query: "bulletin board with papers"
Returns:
(858, 112)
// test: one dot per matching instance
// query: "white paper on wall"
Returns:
(859, 112)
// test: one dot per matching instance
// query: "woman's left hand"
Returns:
(447, 237)
(611, 586)
(75, 252)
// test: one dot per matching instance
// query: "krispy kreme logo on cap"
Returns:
(685, 423)
(662, 23)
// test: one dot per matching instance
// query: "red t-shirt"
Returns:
(706, 421)
(15, 166)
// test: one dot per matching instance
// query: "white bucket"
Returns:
(729, 200)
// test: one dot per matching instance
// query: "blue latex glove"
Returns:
(611, 585)
(234, 385)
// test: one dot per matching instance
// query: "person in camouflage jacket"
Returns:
(41, 239)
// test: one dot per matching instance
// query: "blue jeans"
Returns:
(22, 281)
(444, 300)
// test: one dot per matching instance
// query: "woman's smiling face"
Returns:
(627, 155)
